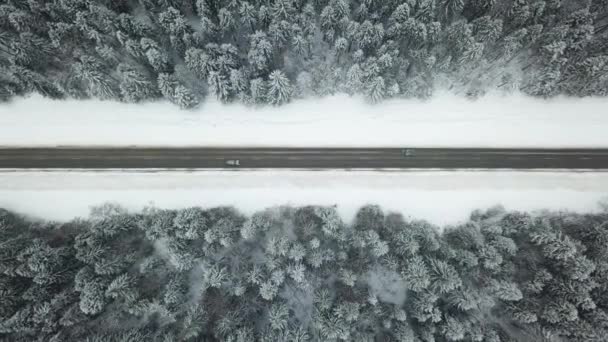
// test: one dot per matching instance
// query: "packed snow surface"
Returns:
(443, 121)
(438, 196)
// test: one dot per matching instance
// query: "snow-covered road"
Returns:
(441, 197)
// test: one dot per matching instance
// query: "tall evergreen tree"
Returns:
(279, 88)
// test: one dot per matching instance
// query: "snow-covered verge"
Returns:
(439, 197)
(444, 121)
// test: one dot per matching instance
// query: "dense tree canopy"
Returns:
(302, 274)
(272, 51)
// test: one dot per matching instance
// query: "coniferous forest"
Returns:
(303, 274)
(272, 51)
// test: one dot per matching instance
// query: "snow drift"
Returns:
(439, 197)
(338, 121)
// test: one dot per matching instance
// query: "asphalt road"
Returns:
(306, 158)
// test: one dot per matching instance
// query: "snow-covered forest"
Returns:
(197, 269)
(303, 274)
(272, 51)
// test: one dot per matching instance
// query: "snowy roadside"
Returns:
(444, 121)
(441, 197)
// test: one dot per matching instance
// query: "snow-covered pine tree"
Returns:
(134, 85)
(280, 89)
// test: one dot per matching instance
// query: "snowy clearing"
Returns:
(444, 121)
(441, 197)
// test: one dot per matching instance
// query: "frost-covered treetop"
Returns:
(302, 274)
(271, 51)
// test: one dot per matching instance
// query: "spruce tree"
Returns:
(279, 88)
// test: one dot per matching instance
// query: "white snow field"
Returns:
(438, 196)
(444, 121)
